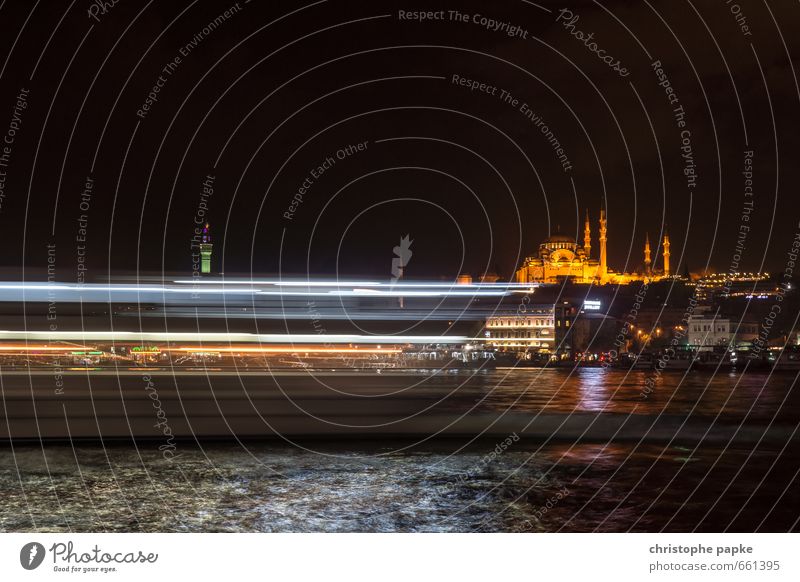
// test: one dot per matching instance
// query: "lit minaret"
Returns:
(205, 250)
(603, 239)
(666, 255)
(647, 262)
(587, 236)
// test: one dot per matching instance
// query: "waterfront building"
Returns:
(530, 331)
(707, 329)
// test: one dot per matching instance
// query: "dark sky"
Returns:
(272, 91)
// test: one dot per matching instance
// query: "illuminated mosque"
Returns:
(560, 257)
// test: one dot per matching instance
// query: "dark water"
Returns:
(444, 485)
(270, 488)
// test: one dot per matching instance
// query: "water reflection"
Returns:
(599, 390)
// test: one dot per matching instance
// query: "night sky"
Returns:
(264, 94)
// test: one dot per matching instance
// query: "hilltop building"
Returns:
(560, 257)
(733, 285)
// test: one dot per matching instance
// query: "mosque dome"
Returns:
(560, 238)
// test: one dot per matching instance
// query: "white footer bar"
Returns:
(401, 557)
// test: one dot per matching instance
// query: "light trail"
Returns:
(354, 284)
(138, 337)
(154, 294)
(44, 348)
(285, 350)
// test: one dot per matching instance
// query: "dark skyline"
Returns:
(261, 97)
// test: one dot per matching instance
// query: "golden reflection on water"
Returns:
(617, 391)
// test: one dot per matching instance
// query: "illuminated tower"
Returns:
(205, 250)
(587, 236)
(666, 255)
(647, 262)
(603, 239)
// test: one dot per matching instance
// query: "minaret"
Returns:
(666, 255)
(603, 239)
(647, 262)
(205, 250)
(587, 236)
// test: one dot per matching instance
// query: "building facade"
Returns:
(531, 331)
(707, 330)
